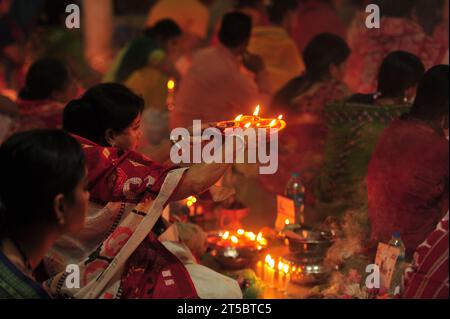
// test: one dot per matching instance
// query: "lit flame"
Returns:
(272, 124)
(259, 237)
(191, 201)
(241, 232)
(287, 222)
(286, 269)
(251, 236)
(171, 84)
(280, 265)
(248, 125)
(268, 258)
(234, 239)
(272, 263)
(256, 113)
(280, 117)
(226, 235)
(239, 117)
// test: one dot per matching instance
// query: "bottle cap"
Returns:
(396, 234)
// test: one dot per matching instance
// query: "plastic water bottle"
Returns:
(397, 277)
(295, 190)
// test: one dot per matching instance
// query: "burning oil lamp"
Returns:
(254, 121)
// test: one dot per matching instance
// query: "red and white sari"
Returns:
(117, 253)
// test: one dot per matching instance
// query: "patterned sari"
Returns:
(36, 115)
(117, 253)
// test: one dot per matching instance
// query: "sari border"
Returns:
(24, 278)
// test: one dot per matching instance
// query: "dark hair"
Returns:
(45, 77)
(235, 30)
(36, 166)
(396, 8)
(399, 71)
(242, 4)
(105, 106)
(164, 30)
(323, 51)
(432, 100)
(427, 13)
(278, 9)
(137, 54)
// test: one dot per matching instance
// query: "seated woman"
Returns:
(128, 194)
(48, 86)
(354, 128)
(398, 31)
(302, 101)
(43, 195)
(408, 175)
(398, 77)
(145, 66)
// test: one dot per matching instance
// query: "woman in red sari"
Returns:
(408, 175)
(119, 251)
(398, 32)
(302, 101)
(48, 86)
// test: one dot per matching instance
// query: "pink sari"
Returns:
(373, 45)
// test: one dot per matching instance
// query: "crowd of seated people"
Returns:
(367, 113)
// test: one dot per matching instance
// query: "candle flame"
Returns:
(248, 125)
(226, 235)
(251, 236)
(268, 258)
(259, 237)
(239, 117)
(234, 239)
(286, 269)
(272, 124)
(241, 232)
(171, 84)
(287, 221)
(280, 117)
(280, 265)
(272, 263)
(256, 113)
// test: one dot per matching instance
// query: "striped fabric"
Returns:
(16, 285)
(427, 277)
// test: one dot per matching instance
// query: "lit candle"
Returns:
(170, 94)
(272, 273)
(287, 273)
(260, 270)
(266, 268)
(281, 276)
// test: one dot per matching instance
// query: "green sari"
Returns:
(353, 132)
